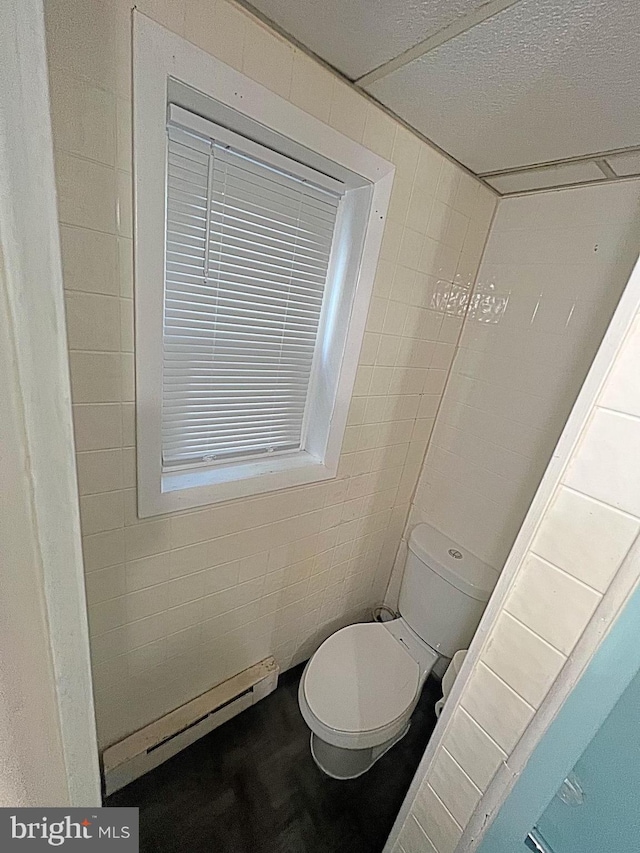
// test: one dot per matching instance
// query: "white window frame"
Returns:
(164, 63)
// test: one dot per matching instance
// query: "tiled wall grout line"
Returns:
(565, 573)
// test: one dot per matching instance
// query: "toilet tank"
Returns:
(444, 590)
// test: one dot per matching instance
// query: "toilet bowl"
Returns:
(359, 689)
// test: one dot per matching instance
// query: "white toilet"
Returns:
(358, 691)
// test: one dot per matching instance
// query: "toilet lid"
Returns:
(360, 679)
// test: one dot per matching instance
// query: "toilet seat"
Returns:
(360, 687)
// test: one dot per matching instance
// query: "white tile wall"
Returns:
(585, 538)
(554, 267)
(603, 469)
(448, 776)
(473, 748)
(436, 820)
(179, 603)
(496, 707)
(413, 838)
(581, 541)
(521, 658)
(539, 600)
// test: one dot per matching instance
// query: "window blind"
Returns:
(247, 254)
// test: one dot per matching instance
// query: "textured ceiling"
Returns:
(355, 36)
(498, 88)
(543, 80)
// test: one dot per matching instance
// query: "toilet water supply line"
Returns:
(382, 613)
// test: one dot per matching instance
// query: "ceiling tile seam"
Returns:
(450, 31)
(605, 168)
(567, 161)
(250, 9)
(617, 179)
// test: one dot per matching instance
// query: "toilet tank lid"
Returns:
(466, 572)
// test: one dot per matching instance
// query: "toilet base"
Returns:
(340, 763)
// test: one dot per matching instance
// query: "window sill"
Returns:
(203, 486)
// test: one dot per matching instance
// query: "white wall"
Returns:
(566, 579)
(48, 751)
(181, 602)
(31, 767)
(552, 273)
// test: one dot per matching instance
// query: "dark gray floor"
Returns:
(251, 787)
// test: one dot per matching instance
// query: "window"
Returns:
(248, 242)
(257, 229)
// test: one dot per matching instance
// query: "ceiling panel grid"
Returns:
(498, 89)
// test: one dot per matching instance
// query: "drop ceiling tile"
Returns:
(541, 81)
(553, 176)
(357, 36)
(625, 164)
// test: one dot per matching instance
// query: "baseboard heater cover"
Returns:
(145, 749)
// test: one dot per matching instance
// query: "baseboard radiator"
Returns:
(145, 749)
